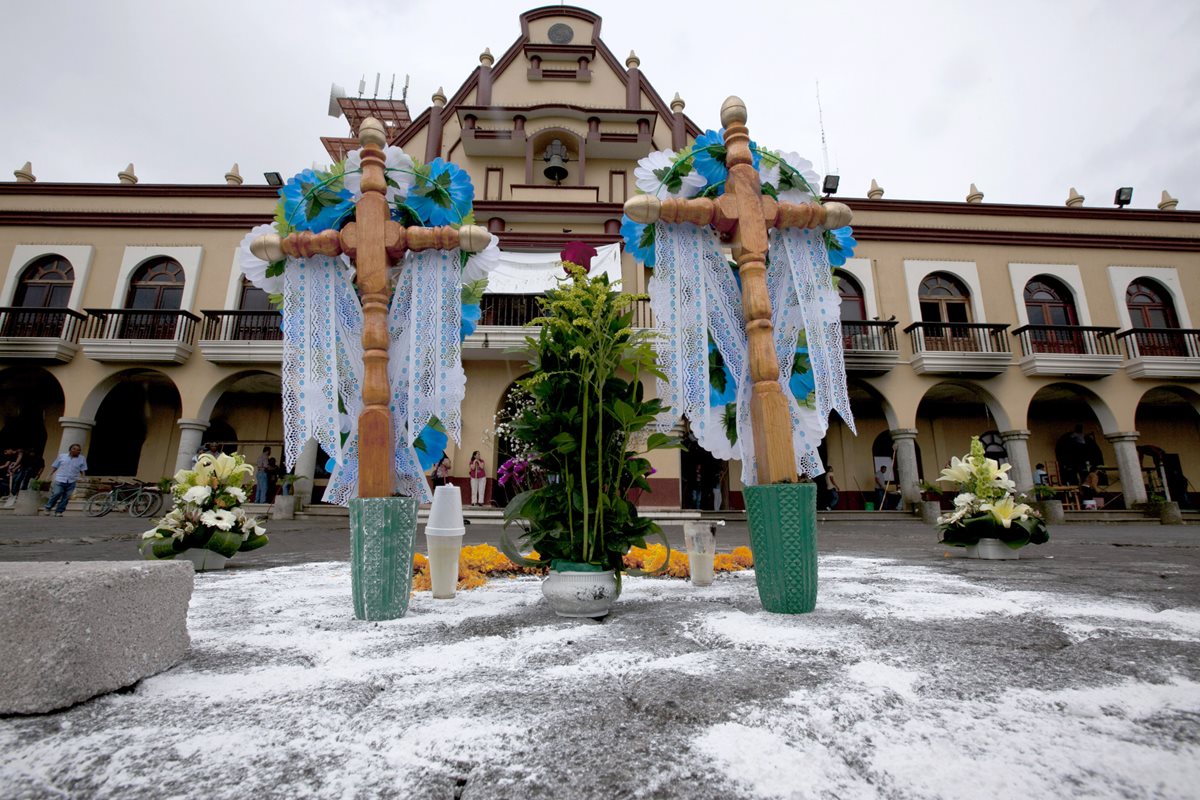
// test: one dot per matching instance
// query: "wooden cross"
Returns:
(742, 216)
(375, 242)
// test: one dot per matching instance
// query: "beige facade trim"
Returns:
(1023, 273)
(916, 271)
(80, 256)
(1121, 277)
(188, 257)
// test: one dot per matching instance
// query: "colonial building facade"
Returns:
(126, 326)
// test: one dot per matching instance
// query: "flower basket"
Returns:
(207, 513)
(986, 507)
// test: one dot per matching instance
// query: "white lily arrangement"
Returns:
(208, 511)
(986, 506)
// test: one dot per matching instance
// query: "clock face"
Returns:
(560, 33)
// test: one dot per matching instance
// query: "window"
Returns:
(1049, 302)
(259, 322)
(854, 309)
(1150, 307)
(944, 298)
(156, 286)
(617, 186)
(45, 284)
(493, 183)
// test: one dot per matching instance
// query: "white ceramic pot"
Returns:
(580, 594)
(202, 559)
(992, 550)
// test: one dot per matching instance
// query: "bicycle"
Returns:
(140, 499)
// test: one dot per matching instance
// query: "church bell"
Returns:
(555, 158)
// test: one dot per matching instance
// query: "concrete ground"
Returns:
(1073, 671)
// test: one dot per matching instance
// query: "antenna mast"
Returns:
(821, 122)
(404, 93)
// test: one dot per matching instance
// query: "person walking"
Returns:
(833, 491)
(261, 476)
(478, 474)
(67, 469)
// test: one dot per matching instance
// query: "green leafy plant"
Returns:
(586, 425)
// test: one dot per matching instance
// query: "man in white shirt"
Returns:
(67, 469)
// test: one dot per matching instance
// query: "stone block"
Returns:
(72, 630)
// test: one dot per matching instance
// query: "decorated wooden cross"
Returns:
(742, 215)
(374, 242)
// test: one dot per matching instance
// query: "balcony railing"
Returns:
(47, 323)
(1160, 342)
(958, 337)
(515, 310)
(242, 326)
(138, 323)
(868, 335)
(1067, 340)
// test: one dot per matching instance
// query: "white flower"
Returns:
(964, 499)
(651, 171)
(218, 518)
(224, 468)
(197, 494)
(152, 534)
(481, 263)
(253, 267)
(959, 471)
(397, 169)
(1005, 510)
(236, 493)
(769, 171)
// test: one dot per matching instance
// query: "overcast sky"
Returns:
(1025, 99)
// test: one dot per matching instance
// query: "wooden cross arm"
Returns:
(398, 239)
(722, 212)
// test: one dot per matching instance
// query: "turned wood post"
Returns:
(769, 415)
(375, 446)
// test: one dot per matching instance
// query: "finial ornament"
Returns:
(371, 132)
(127, 175)
(633, 62)
(234, 176)
(473, 238)
(268, 247)
(876, 191)
(25, 173)
(677, 104)
(733, 111)
(485, 57)
(439, 97)
(1168, 203)
(974, 196)
(1074, 199)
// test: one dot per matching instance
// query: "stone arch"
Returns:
(1054, 411)
(1168, 423)
(536, 144)
(31, 401)
(949, 413)
(135, 433)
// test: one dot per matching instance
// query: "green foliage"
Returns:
(472, 291)
(587, 423)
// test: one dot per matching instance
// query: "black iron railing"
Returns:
(136, 323)
(48, 323)
(1171, 342)
(517, 309)
(958, 337)
(1067, 339)
(869, 335)
(242, 326)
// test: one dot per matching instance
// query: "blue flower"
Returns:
(442, 195)
(802, 384)
(708, 157)
(639, 240)
(470, 318)
(331, 465)
(430, 445)
(310, 206)
(841, 244)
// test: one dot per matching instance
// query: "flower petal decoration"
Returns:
(442, 193)
(639, 240)
(398, 171)
(840, 243)
(790, 175)
(430, 444)
(1005, 510)
(708, 154)
(470, 318)
(266, 276)
(480, 265)
(663, 174)
(315, 201)
(578, 253)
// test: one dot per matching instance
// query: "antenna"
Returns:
(821, 122)
(404, 94)
(362, 85)
(376, 85)
(335, 93)
(392, 88)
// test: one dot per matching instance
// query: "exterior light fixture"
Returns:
(273, 178)
(831, 184)
(1124, 196)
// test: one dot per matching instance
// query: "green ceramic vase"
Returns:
(383, 533)
(783, 536)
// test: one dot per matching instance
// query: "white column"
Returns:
(306, 466)
(1129, 466)
(191, 436)
(906, 467)
(1017, 444)
(75, 430)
